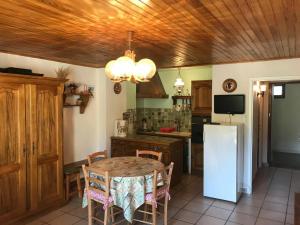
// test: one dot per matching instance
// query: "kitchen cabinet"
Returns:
(197, 159)
(171, 148)
(202, 97)
(31, 176)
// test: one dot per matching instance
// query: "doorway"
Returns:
(284, 125)
(276, 123)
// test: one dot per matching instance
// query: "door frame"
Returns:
(249, 145)
(269, 155)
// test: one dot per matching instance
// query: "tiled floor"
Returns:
(285, 160)
(270, 204)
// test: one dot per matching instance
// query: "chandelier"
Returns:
(125, 68)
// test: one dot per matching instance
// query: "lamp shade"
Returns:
(144, 70)
(124, 67)
(179, 82)
(263, 87)
(109, 69)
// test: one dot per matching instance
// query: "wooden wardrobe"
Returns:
(31, 157)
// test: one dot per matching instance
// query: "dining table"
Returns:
(131, 179)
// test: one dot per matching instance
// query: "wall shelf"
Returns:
(184, 98)
(83, 99)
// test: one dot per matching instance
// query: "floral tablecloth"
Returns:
(128, 190)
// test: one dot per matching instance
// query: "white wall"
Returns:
(286, 121)
(115, 106)
(83, 133)
(255, 139)
(244, 74)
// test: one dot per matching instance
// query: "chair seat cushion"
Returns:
(160, 193)
(99, 197)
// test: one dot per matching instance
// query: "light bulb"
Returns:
(263, 87)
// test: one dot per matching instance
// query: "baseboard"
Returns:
(246, 190)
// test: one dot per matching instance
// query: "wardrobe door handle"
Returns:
(24, 150)
(33, 148)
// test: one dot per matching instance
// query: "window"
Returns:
(279, 90)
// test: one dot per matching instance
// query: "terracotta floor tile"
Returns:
(218, 213)
(65, 219)
(187, 216)
(272, 215)
(208, 220)
(243, 219)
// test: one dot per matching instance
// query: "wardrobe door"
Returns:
(46, 146)
(12, 151)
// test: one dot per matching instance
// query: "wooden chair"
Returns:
(149, 154)
(72, 174)
(158, 193)
(96, 156)
(97, 191)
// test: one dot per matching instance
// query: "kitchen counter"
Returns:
(174, 134)
(147, 139)
(186, 136)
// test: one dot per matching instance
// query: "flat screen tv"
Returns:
(229, 104)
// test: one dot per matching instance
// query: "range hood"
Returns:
(151, 89)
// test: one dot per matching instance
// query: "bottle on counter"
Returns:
(144, 124)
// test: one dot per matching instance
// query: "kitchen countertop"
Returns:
(174, 134)
(148, 138)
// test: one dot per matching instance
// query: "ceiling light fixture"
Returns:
(260, 89)
(179, 84)
(125, 68)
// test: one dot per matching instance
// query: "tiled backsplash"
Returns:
(159, 117)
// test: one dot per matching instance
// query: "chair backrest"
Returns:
(96, 180)
(149, 154)
(164, 176)
(96, 156)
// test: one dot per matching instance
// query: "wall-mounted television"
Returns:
(229, 104)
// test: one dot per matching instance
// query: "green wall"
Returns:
(285, 121)
(168, 77)
(131, 95)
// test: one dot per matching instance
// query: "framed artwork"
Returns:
(117, 88)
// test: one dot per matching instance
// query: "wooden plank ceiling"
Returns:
(171, 32)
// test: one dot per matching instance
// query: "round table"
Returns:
(128, 166)
(131, 179)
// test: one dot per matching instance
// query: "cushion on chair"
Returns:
(161, 193)
(99, 197)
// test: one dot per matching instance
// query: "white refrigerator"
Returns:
(223, 161)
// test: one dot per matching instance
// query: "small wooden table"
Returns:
(128, 166)
(131, 179)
